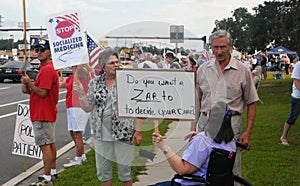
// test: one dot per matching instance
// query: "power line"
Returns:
(20, 29)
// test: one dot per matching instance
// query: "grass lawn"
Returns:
(267, 164)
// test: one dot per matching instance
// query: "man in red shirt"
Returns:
(43, 112)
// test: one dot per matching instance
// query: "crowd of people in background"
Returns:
(281, 63)
(94, 100)
(169, 60)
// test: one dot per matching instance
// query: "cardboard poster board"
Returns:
(24, 143)
(67, 40)
(156, 94)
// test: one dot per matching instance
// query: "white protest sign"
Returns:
(67, 40)
(24, 143)
(156, 94)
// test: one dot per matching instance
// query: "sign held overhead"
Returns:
(67, 40)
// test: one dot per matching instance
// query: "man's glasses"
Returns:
(37, 50)
(113, 63)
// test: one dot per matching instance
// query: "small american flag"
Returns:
(205, 55)
(141, 53)
(94, 51)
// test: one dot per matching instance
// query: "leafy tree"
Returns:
(292, 18)
(273, 21)
(239, 27)
(269, 25)
(6, 44)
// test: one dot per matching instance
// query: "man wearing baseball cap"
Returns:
(43, 112)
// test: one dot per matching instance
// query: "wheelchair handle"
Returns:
(243, 146)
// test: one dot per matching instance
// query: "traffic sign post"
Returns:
(176, 34)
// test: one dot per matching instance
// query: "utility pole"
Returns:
(41, 33)
(1, 20)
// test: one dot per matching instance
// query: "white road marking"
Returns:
(17, 102)
(3, 88)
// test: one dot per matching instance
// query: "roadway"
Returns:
(12, 165)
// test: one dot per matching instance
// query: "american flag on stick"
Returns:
(205, 55)
(141, 54)
(94, 50)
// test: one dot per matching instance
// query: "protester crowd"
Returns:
(168, 60)
(280, 63)
(92, 99)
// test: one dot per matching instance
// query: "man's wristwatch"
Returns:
(165, 151)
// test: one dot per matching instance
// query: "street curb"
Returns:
(37, 166)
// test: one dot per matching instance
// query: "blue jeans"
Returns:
(295, 111)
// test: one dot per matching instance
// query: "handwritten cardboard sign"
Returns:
(156, 94)
(24, 143)
(67, 40)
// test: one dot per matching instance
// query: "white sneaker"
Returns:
(73, 163)
(84, 159)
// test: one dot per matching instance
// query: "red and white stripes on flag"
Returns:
(205, 55)
(73, 18)
(94, 51)
(141, 54)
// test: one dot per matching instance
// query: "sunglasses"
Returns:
(37, 50)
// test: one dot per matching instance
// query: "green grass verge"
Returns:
(269, 163)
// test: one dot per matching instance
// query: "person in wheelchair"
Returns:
(195, 158)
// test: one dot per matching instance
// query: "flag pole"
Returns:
(156, 130)
(24, 30)
(61, 74)
(25, 69)
(85, 34)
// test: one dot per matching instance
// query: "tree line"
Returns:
(272, 23)
(8, 44)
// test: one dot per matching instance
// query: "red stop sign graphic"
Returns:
(64, 29)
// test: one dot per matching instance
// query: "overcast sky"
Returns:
(99, 17)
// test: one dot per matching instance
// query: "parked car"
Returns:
(35, 63)
(14, 70)
(65, 71)
(3, 61)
